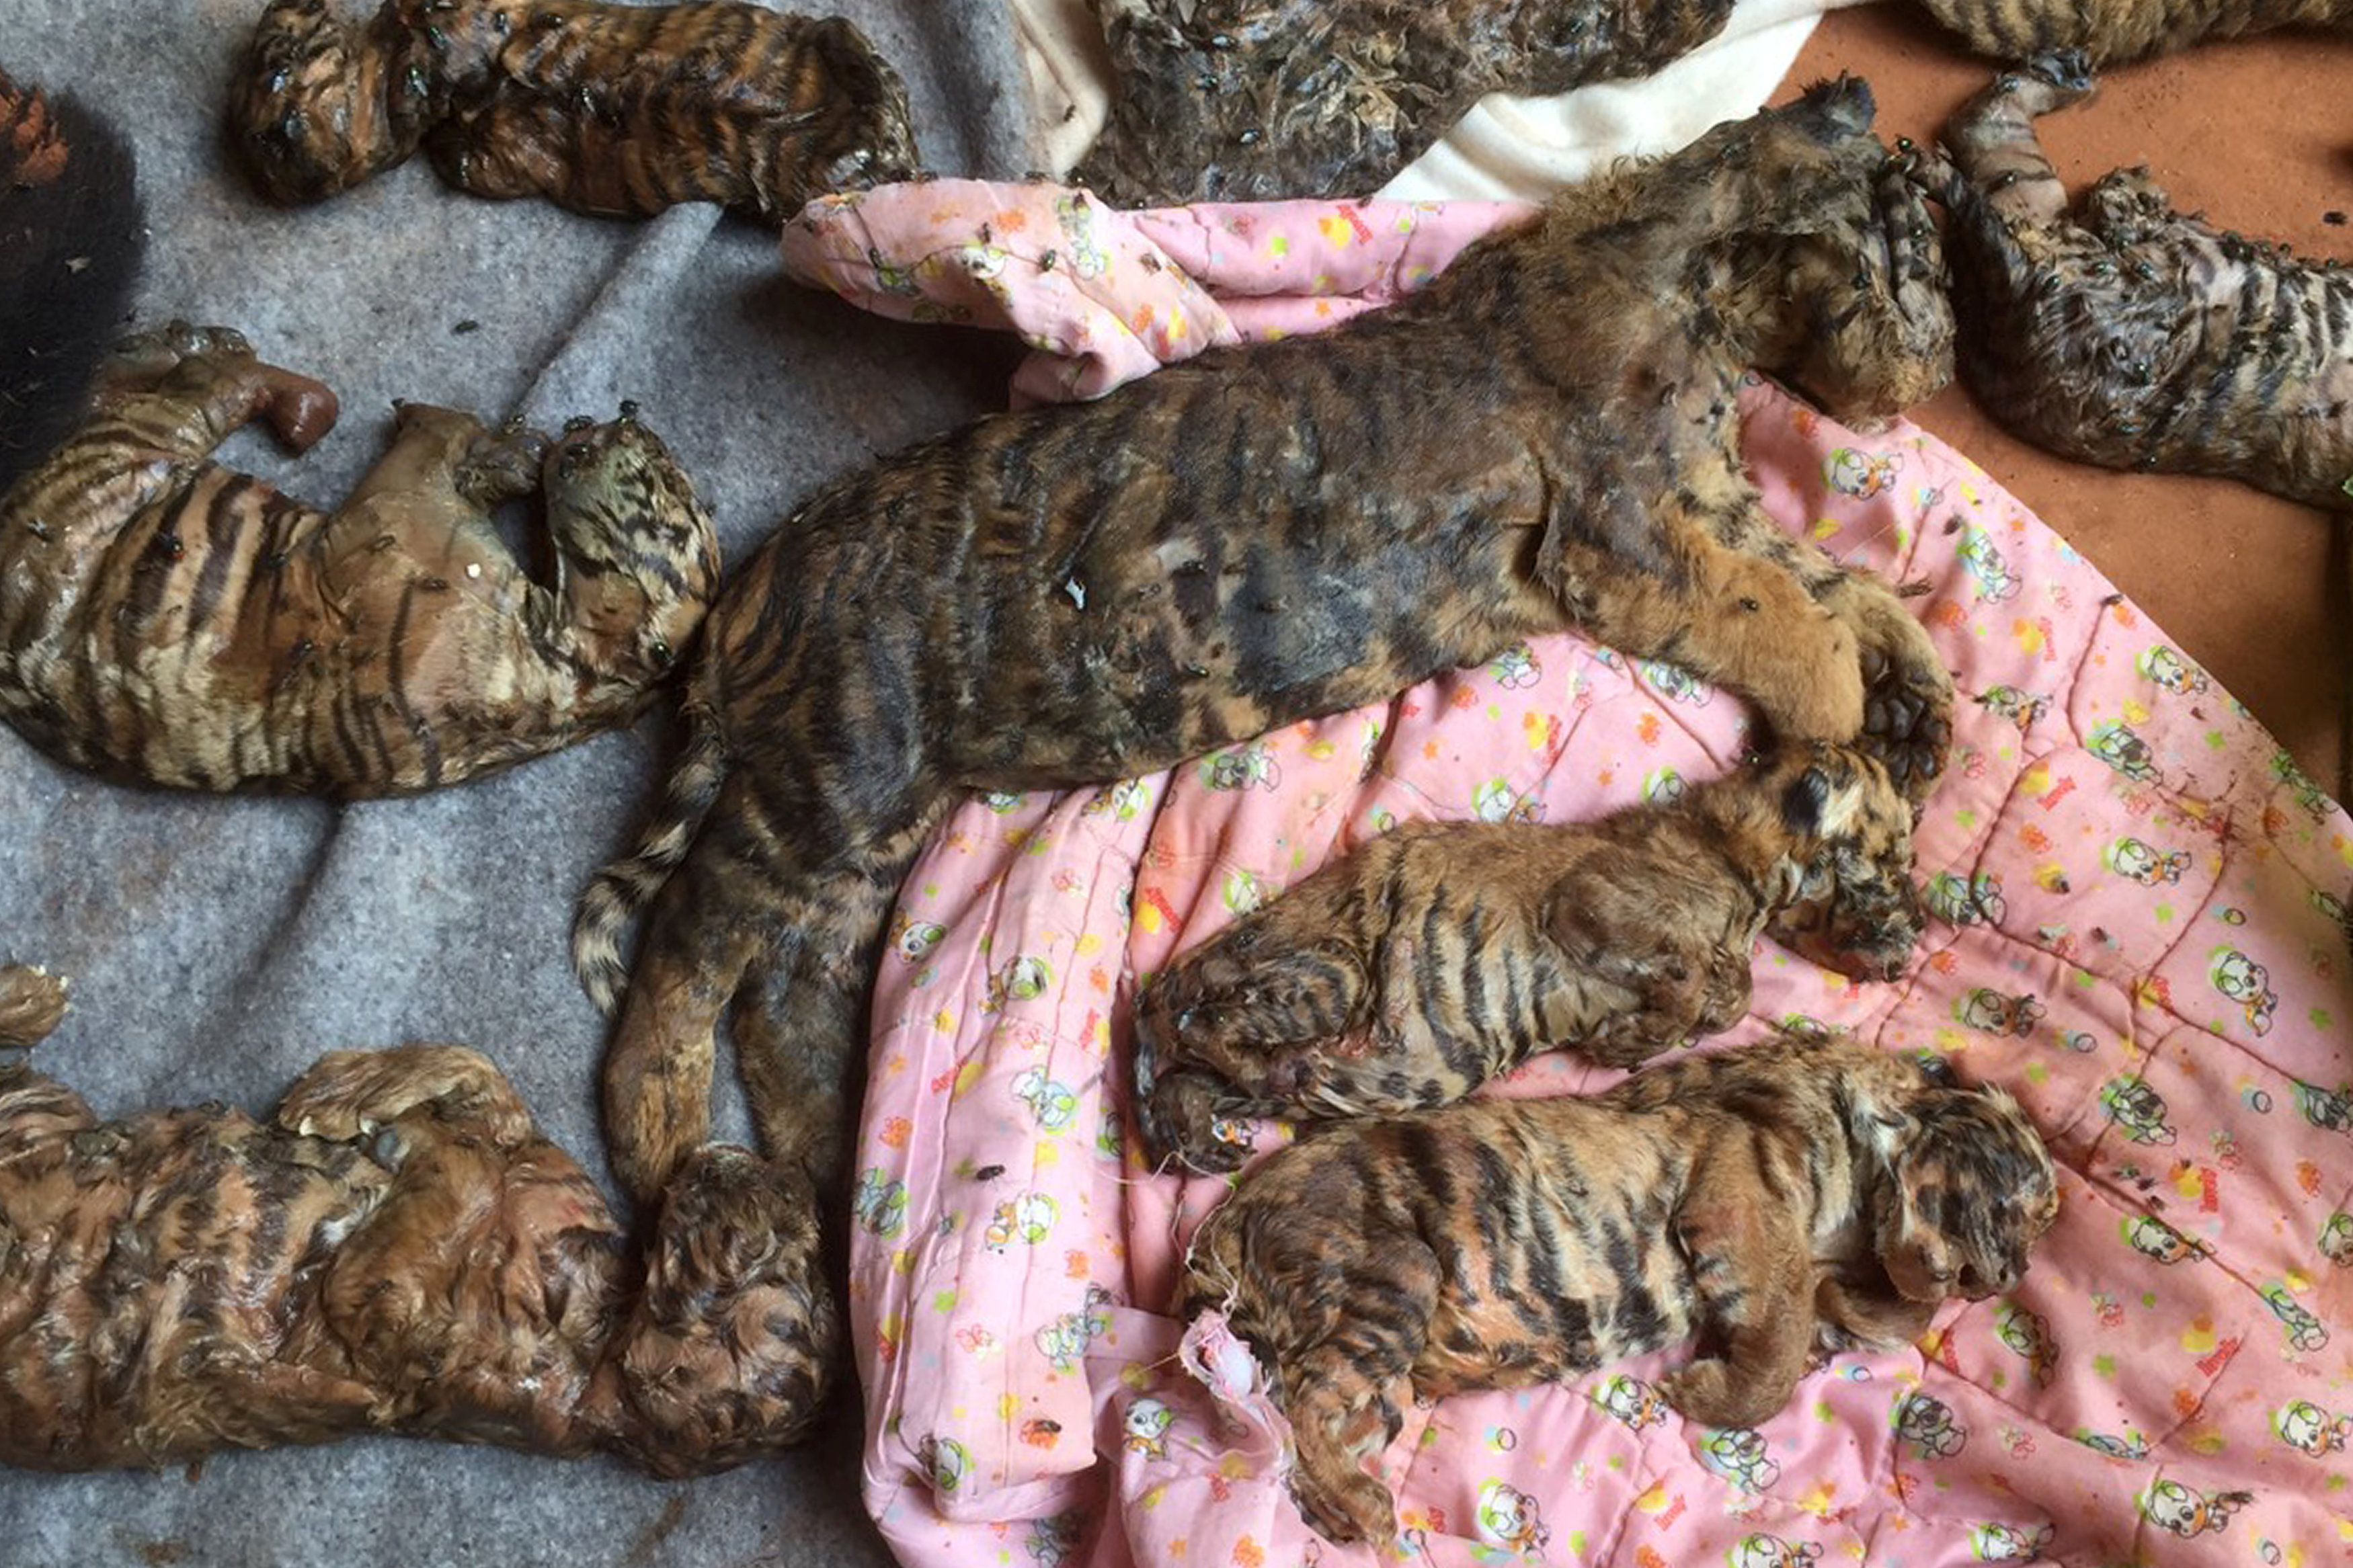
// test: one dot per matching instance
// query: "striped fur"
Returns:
(402, 1251)
(71, 248)
(1260, 99)
(1773, 1199)
(1546, 435)
(1408, 974)
(2122, 334)
(614, 110)
(2110, 32)
(167, 620)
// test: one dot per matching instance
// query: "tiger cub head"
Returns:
(1961, 1185)
(1827, 258)
(320, 105)
(638, 557)
(729, 1347)
(1854, 907)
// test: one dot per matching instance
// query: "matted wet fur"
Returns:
(1546, 437)
(1441, 954)
(167, 620)
(2110, 32)
(2120, 332)
(71, 242)
(399, 1251)
(604, 108)
(1259, 100)
(1772, 1199)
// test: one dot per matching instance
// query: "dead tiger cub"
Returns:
(2124, 334)
(604, 108)
(1253, 99)
(1408, 974)
(401, 1251)
(1546, 435)
(2109, 32)
(1770, 1198)
(164, 619)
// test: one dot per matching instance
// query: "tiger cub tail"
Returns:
(71, 241)
(618, 891)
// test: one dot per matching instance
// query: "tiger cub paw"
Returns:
(1180, 1117)
(349, 1095)
(1706, 1392)
(32, 1001)
(142, 361)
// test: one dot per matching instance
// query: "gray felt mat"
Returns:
(218, 945)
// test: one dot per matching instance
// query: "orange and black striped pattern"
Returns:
(167, 620)
(2110, 32)
(1260, 99)
(1406, 975)
(2118, 331)
(400, 1250)
(1546, 435)
(607, 109)
(1773, 1199)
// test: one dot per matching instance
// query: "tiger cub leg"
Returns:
(1753, 1276)
(800, 1026)
(185, 389)
(797, 896)
(1677, 983)
(1346, 1378)
(1992, 138)
(516, 147)
(1907, 715)
(348, 1095)
(32, 1003)
(1742, 621)
(1244, 1026)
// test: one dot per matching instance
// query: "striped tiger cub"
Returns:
(1405, 976)
(400, 1250)
(612, 110)
(1778, 1200)
(1260, 99)
(167, 620)
(1546, 435)
(2119, 331)
(2110, 32)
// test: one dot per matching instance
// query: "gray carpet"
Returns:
(218, 945)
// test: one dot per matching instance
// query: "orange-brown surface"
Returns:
(2255, 134)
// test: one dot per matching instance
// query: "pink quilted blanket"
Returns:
(2138, 896)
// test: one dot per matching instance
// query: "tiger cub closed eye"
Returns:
(621, 111)
(1767, 1198)
(166, 620)
(1408, 974)
(2121, 332)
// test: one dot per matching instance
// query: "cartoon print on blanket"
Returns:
(2170, 1384)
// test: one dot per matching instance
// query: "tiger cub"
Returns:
(2110, 32)
(1546, 435)
(611, 110)
(2124, 334)
(1262, 100)
(1442, 954)
(1769, 1198)
(166, 620)
(401, 1250)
